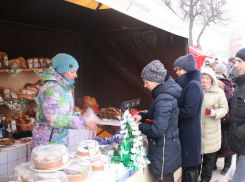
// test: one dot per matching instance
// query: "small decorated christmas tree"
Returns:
(131, 152)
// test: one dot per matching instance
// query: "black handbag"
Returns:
(224, 139)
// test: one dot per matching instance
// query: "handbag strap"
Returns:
(50, 138)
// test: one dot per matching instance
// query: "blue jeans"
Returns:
(239, 175)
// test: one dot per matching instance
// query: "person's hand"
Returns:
(91, 123)
(91, 119)
(212, 113)
(137, 119)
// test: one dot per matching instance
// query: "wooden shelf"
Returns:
(3, 71)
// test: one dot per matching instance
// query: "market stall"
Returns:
(199, 56)
(110, 46)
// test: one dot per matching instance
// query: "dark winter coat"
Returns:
(163, 134)
(237, 140)
(190, 104)
(225, 121)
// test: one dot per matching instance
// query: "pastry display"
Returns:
(57, 176)
(88, 101)
(23, 170)
(10, 178)
(101, 163)
(110, 113)
(79, 170)
(49, 157)
(88, 148)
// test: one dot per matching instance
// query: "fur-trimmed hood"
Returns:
(210, 72)
(184, 79)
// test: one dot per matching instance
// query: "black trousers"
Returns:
(207, 166)
(166, 178)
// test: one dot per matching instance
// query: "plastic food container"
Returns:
(10, 178)
(23, 170)
(57, 176)
(88, 149)
(49, 157)
(100, 164)
(79, 171)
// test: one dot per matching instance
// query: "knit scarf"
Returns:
(206, 88)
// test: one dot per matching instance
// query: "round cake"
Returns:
(49, 157)
(78, 170)
(88, 148)
(101, 163)
(76, 176)
(23, 170)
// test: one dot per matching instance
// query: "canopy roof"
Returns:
(154, 12)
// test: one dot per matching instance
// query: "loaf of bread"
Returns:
(32, 86)
(14, 63)
(26, 94)
(30, 63)
(4, 60)
(23, 64)
(48, 62)
(36, 63)
(8, 94)
(86, 102)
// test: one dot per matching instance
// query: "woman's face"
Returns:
(180, 71)
(206, 80)
(70, 75)
(149, 85)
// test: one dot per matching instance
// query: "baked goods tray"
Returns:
(110, 122)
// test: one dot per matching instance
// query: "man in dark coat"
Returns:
(237, 117)
(190, 104)
(164, 150)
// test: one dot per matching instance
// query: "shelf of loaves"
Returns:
(1, 71)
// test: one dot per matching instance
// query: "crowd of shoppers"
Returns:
(196, 118)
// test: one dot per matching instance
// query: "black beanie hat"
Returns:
(186, 63)
(241, 54)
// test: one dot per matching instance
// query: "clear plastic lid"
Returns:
(10, 178)
(101, 163)
(79, 170)
(23, 170)
(49, 157)
(57, 176)
(88, 148)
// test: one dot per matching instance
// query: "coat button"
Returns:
(174, 140)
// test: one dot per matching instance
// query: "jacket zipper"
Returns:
(163, 156)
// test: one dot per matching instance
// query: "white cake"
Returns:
(88, 148)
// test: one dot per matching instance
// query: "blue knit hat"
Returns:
(186, 63)
(64, 62)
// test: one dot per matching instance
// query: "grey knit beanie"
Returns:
(186, 63)
(232, 59)
(154, 72)
(241, 54)
(220, 68)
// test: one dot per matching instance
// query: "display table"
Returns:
(11, 156)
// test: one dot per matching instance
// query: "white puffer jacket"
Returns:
(211, 126)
